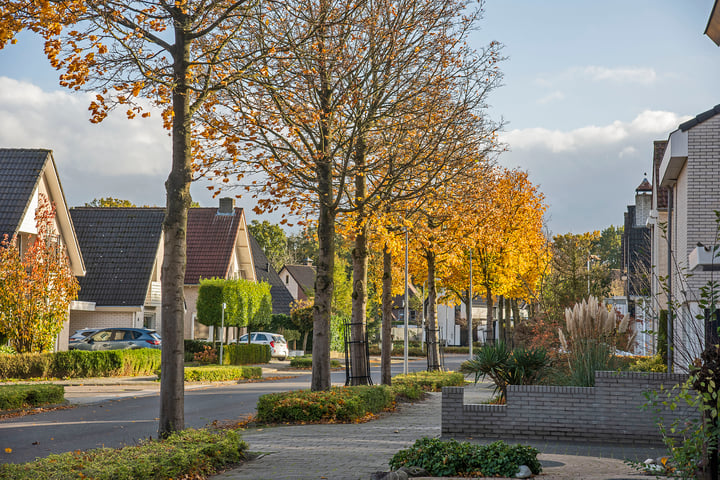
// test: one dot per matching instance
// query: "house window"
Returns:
(287, 279)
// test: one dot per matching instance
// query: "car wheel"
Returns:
(282, 359)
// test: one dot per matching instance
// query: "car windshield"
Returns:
(279, 338)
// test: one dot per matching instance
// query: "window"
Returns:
(287, 279)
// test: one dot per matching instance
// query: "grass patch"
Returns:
(187, 454)
(216, 373)
(13, 397)
(452, 458)
(306, 362)
(339, 404)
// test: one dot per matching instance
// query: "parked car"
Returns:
(278, 344)
(119, 339)
(82, 334)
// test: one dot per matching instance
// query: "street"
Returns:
(125, 421)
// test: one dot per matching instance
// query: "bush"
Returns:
(430, 381)
(339, 404)
(452, 458)
(306, 362)
(648, 364)
(221, 374)
(246, 354)
(13, 397)
(194, 346)
(187, 454)
(79, 363)
(398, 350)
(207, 355)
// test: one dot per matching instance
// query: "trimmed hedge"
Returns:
(306, 362)
(79, 363)
(221, 374)
(399, 351)
(430, 381)
(339, 404)
(13, 397)
(187, 454)
(194, 346)
(246, 354)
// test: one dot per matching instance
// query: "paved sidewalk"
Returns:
(355, 451)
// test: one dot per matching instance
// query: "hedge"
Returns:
(79, 363)
(306, 362)
(221, 374)
(246, 354)
(339, 404)
(13, 397)
(430, 381)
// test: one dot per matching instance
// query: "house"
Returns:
(688, 229)
(218, 246)
(265, 272)
(123, 249)
(299, 280)
(25, 175)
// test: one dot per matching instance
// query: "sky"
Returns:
(587, 88)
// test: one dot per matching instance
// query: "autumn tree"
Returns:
(174, 55)
(109, 202)
(37, 287)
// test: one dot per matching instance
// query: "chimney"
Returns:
(227, 206)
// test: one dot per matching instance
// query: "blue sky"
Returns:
(587, 87)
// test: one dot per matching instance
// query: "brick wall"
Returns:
(609, 411)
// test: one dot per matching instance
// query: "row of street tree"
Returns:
(368, 114)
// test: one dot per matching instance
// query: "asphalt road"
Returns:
(126, 421)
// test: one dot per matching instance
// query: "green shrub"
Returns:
(306, 362)
(194, 346)
(399, 351)
(13, 397)
(187, 454)
(26, 365)
(221, 374)
(339, 404)
(452, 458)
(648, 364)
(246, 354)
(142, 361)
(430, 381)
(7, 349)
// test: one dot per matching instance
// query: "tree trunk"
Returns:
(305, 337)
(386, 347)
(501, 318)
(508, 324)
(433, 358)
(359, 369)
(177, 186)
(490, 327)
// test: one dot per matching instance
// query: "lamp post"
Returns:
(406, 310)
(470, 311)
(222, 331)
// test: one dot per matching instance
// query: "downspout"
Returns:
(670, 334)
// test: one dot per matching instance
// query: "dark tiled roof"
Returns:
(119, 246)
(20, 171)
(210, 242)
(264, 271)
(659, 147)
(700, 118)
(304, 275)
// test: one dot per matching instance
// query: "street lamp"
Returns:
(407, 310)
(222, 331)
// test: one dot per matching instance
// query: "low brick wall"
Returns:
(609, 411)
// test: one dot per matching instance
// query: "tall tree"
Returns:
(109, 202)
(272, 240)
(175, 55)
(37, 286)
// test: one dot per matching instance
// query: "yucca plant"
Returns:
(505, 367)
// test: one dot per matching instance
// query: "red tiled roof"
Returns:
(644, 186)
(210, 241)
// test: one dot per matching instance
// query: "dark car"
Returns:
(82, 334)
(119, 339)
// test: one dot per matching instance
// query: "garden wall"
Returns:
(609, 411)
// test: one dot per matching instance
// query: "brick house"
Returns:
(25, 175)
(123, 250)
(689, 172)
(218, 246)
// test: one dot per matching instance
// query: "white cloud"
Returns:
(59, 120)
(551, 97)
(644, 76)
(628, 152)
(647, 122)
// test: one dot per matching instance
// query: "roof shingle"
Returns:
(119, 246)
(210, 241)
(264, 271)
(20, 171)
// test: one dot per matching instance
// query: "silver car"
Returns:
(278, 344)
